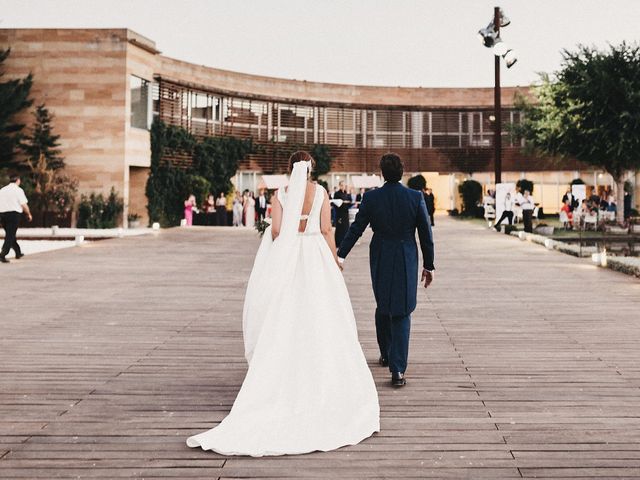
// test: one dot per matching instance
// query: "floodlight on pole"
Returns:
(490, 37)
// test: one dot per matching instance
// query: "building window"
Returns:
(140, 97)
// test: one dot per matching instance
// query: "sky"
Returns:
(408, 43)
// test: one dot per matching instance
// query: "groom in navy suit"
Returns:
(395, 213)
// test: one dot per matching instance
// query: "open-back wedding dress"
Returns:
(308, 386)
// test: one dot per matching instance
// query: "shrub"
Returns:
(322, 155)
(94, 211)
(417, 182)
(471, 192)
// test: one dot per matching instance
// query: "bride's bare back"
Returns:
(325, 216)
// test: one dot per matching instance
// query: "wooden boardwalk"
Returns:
(523, 363)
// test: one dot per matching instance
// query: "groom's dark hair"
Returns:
(391, 167)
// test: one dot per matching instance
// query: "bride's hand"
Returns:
(339, 264)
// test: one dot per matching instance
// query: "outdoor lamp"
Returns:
(500, 48)
(510, 58)
(487, 35)
(504, 20)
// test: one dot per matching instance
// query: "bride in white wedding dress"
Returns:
(308, 386)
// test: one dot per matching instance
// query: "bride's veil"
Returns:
(274, 265)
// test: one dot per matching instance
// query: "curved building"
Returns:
(105, 86)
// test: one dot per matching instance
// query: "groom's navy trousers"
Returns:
(394, 213)
(393, 339)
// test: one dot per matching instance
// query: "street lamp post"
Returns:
(497, 134)
(490, 37)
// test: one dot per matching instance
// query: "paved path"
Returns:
(524, 362)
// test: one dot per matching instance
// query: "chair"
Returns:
(489, 212)
(564, 220)
(590, 220)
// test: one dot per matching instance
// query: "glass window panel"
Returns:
(445, 122)
(139, 102)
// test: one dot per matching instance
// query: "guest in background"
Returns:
(250, 210)
(261, 205)
(342, 212)
(566, 208)
(353, 197)
(507, 213)
(237, 210)
(359, 197)
(604, 203)
(526, 202)
(189, 208)
(489, 198)
(209, 210)
(13, 203)
(430, 200)
(333, 207)
(627, 205)
(611, 204)
(221, 210)
(568, 197)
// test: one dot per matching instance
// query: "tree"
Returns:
(590, 111)
(417, 182)
(322, 155)
(14, 97)
(41, 141)
(471, 192)
(49, 190)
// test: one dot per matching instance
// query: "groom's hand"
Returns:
(427, 277)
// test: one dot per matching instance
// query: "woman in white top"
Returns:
(237, 210)
(221, 210)
(250, 210)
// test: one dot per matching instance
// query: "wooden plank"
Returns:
(109, 368)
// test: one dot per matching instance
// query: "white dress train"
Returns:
(308, 386)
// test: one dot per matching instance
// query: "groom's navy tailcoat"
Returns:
(395, 213)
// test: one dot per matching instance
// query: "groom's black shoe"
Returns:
(19, 256)
(383, 362)
(398, 380)
(3, 259)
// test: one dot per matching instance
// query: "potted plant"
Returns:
(133, 220)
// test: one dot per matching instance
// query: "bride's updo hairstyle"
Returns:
(301, 156)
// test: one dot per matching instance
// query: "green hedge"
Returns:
(95, 211)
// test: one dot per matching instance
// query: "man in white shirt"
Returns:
(527, 204)
(507, 213)
(13, 203)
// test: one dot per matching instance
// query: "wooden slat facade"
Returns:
(445, 140)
